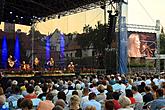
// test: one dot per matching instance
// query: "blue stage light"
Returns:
(47, 47)
(62, 47)
(17, 52)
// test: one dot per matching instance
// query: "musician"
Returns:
(36, 64)
(71, 67)
(50, 64)
(25, 66)
(11, 62)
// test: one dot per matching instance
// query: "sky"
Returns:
(144, 12)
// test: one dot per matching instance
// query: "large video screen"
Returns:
(141, 44)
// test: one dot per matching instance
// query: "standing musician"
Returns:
(11, 61)
(36, 63)
(50, 63)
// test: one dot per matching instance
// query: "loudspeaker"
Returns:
(111, 28)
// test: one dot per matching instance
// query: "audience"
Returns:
(111, 92)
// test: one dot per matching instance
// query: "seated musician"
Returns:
(25, 66)
(36, 64)
(71, 67)
(11, 62)
(50, 64)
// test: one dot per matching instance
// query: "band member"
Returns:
(50, 63)
(25, 66)
(71, 67)
(11, 61)
(36, 63)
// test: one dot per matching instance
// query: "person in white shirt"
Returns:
(138, 97)
(84, 97)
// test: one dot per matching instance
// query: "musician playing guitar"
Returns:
(50, 63)
(36, 64)
(11, 62)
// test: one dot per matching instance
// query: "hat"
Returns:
(14, 82)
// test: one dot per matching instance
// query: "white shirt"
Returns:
(138, 97)
(83, 100)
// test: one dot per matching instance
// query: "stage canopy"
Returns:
(26, 11)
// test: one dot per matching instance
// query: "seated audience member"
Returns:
(61, 95)
(138, 97)
(16, 94)
(109, 105)
(148, 96)
(90, 108)
(125, 103)
(109, 92)
(115, 96)
(92, 102)
(19, 103)
(60, 102)
(158, 103)
(44, 92)
(3, 106)
(47, 104)
(153, 90)
(74, 103)
(58, 107)
(26, 104)
(2, 96)
(84, 97)
(101, 95)
(129, 94)
(37, 90)
(31, 94)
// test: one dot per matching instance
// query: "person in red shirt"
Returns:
(115, 96)
(129, 94)
(31, 94)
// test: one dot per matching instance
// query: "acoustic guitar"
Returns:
(12, 63)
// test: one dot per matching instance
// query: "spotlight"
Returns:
(21, 17)
(16, 16)
(11, 12)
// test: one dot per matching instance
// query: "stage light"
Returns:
(62, 47)
(21, 17)
(16, 16)
(17, 52)
(11, 12)
(47, 47)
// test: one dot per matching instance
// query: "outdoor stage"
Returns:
(41, 73)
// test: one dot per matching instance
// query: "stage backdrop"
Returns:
(141, 44)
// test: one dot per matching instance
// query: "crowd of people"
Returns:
(104, 92)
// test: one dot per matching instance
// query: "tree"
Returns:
(162, 43)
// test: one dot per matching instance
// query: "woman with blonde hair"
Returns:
(134, 45)
(74, 103)
(125, 103)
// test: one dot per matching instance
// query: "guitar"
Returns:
(12, 63)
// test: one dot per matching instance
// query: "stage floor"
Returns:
(58, 73)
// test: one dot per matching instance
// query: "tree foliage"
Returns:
(162, 43)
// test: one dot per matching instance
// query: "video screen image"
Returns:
(141, 44)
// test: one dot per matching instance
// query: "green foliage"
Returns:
(162, 43)
(93, 36)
